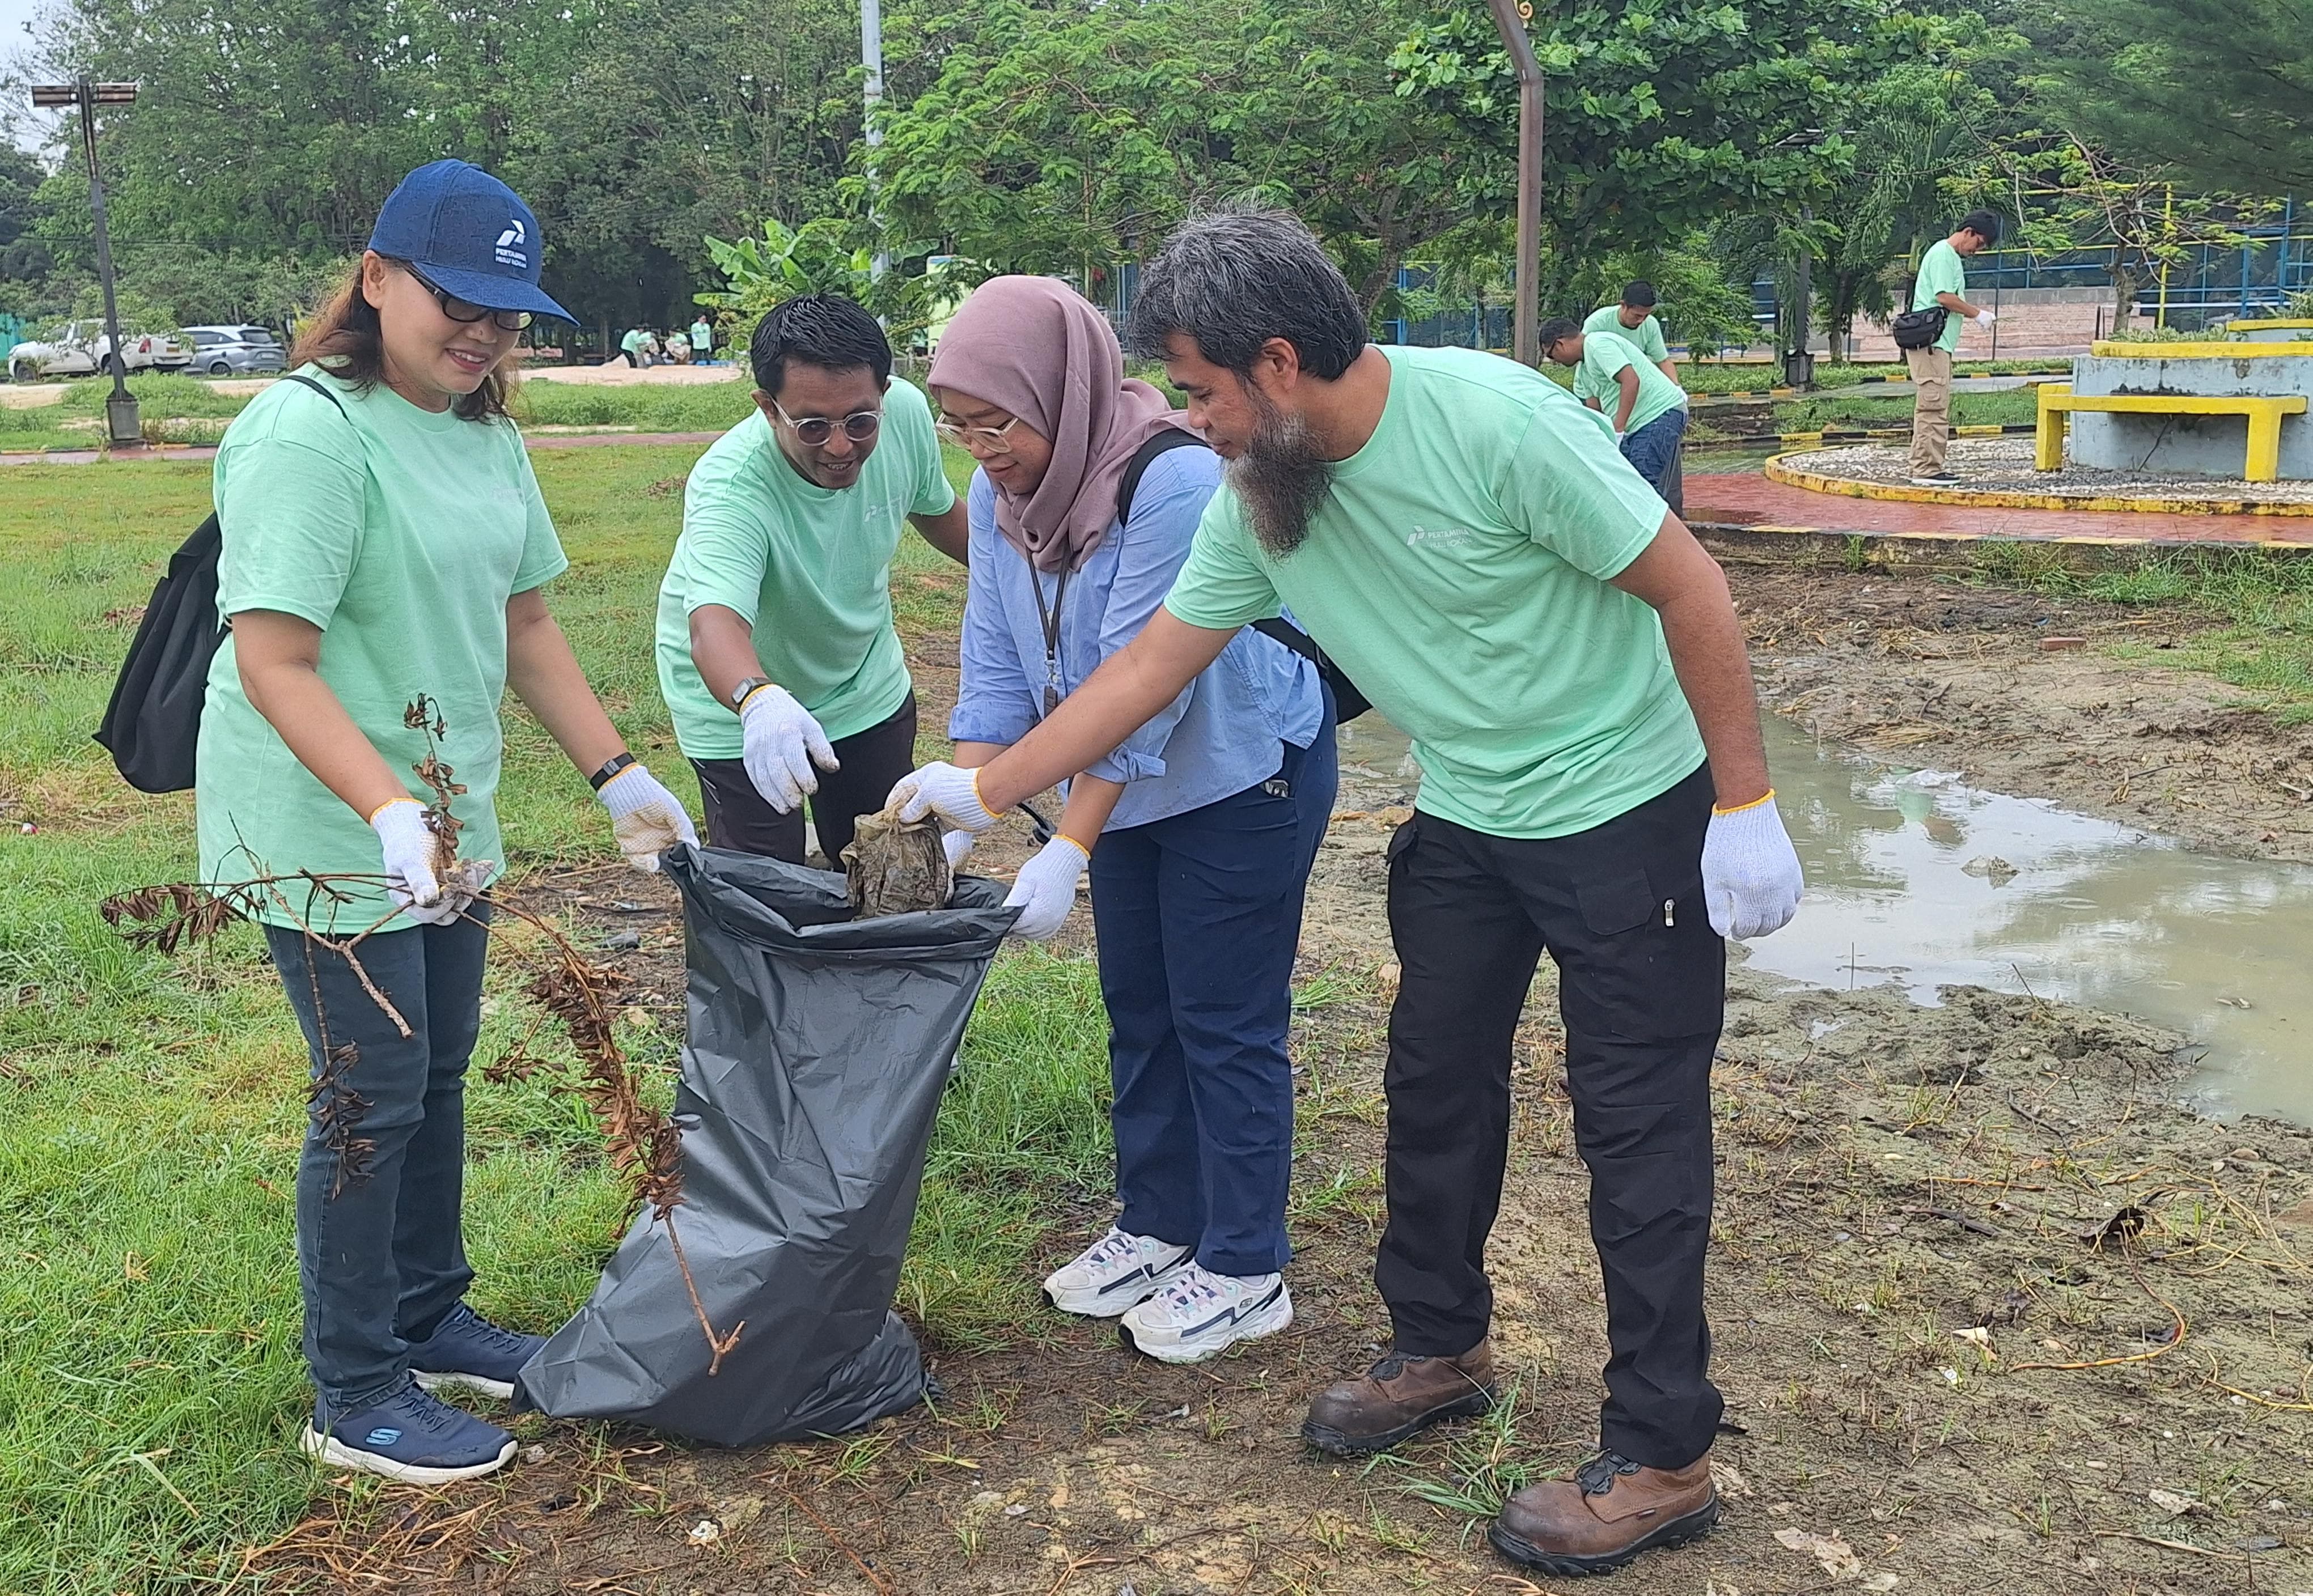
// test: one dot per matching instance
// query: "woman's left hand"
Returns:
(1045, 889)
(645, 817)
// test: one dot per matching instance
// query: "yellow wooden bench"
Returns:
(2264, 411)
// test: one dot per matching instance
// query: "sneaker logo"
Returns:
(1145, 1273)
(382, 1436)
(1241, 1310)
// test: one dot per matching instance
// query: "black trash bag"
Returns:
(811, 1077)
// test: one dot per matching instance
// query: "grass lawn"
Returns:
(190, 410)
(151, 1108)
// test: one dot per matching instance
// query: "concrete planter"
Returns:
(2197, 445)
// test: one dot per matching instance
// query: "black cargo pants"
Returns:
(1642, 992)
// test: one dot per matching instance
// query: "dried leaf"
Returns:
(1838, 1558)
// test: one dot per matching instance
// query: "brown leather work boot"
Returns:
(1399, 1395)
(1610, 1512)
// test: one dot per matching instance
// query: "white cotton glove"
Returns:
(1751, 881)
(957, 846)
(1985, 318)
(1046, 889)
(944, 790)
(645, 817)
(409, 844)
(783, 743)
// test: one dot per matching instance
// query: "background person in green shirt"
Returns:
(702, 340)
(1462, 538)
(1646, 410)
(632, 346)
(775, 650)
(1942, 281)
(383, 537)
(1635, 319)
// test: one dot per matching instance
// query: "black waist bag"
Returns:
(812, 1073)
(1918, 329)
(1348, 702)
(152, 727)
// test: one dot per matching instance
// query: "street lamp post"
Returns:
(123, 429)
(1511, 18)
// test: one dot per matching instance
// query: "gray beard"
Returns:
(1282, 479)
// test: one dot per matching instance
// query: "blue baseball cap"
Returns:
(470, 235)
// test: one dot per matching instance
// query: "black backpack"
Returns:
(1348, 702)
(153, 725)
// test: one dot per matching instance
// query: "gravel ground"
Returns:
(2005, 465)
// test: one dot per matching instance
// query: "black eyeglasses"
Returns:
(466, 310)
(814, 430)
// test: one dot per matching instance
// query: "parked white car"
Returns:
(80, 349)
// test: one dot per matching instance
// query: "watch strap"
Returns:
(611, 767)
(745, 690)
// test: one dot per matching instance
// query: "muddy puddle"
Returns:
(1918, 880)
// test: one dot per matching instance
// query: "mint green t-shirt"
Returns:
(1605, 355)
(1459, 573)
(635, 339)
(808, 567)
(1646, 337)
(1941, 271)
(401, 534)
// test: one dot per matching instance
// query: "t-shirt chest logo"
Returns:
(1441, 538)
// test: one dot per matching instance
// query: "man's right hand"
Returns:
(944, 790)
(783, 743)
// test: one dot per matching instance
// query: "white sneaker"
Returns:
(1201, 1315)
(1114, 1272)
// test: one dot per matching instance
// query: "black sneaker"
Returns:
(413, 1437)
(468, 1350)
(1936, 479)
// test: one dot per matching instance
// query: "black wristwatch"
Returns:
(739, 693)
(611, 767)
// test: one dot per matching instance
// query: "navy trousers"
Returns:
(1653, 451)
(1198, 918)
(380, 1259)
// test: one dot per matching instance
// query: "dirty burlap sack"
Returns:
(812, 1073)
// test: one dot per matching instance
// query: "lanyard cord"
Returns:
(1049, 622)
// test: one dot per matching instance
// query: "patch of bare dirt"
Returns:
(1956, 677)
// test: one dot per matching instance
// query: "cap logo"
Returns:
(507, 250)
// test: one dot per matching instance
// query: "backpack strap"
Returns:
(1164, 443)
(303, 381)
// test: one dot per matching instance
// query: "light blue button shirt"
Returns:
(1221, 736)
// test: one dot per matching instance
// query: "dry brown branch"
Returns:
(837, 1541)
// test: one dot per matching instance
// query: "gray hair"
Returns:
(1232, 279)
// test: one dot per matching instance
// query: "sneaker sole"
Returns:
(337, 1454)
(1094, 1304)
(1679, 1531)
(1340, 1444)
(451, 1379)
(1254, 1329)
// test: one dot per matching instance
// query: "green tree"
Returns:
(1663, 115)
(2218, 94)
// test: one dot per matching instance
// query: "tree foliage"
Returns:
(2219, 93)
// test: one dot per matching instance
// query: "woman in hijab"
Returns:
(1198, 833)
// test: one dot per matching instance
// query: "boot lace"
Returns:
(1597, 1476)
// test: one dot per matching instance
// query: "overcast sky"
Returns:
(14, 15)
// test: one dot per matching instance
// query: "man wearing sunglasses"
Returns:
(777, 654)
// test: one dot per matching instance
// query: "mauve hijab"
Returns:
(1037, 349)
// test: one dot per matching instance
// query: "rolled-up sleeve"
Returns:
(994, 699)
(1152, 548)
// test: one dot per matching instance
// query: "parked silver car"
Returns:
(228, 351)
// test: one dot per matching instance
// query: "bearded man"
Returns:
(1462, 538)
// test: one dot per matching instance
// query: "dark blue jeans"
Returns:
(1198, 918)
(1653, 448)
(379, 1256)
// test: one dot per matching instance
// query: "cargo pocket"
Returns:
(1635, 977)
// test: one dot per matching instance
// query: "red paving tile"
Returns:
(1747, 499)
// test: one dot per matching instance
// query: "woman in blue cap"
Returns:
(384, 547)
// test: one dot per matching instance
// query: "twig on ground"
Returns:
(837, 1541)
